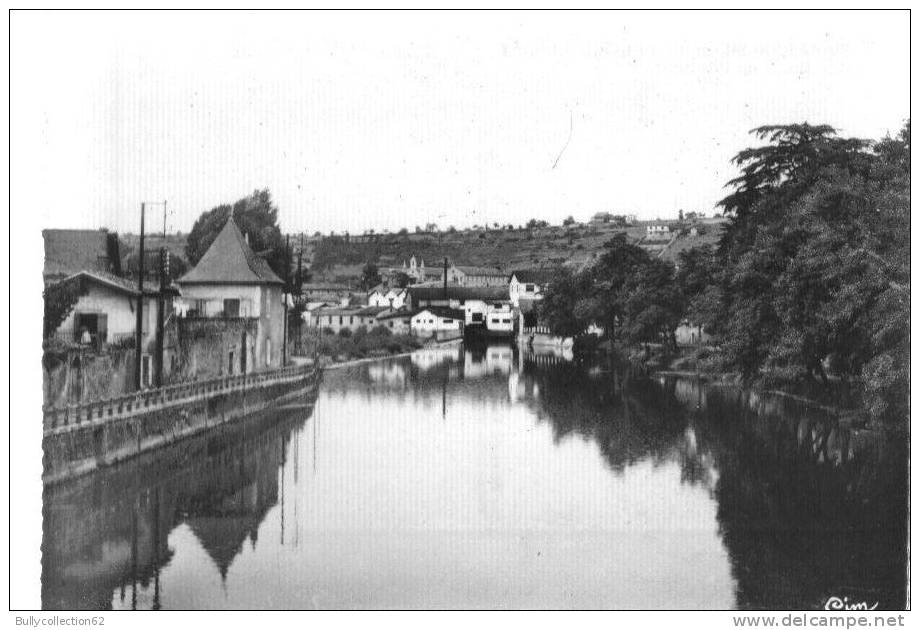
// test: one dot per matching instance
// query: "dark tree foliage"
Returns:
(257, 217)
(815, 265)
(401, 280)
(370, 276)
(59, 299)
(810, 280)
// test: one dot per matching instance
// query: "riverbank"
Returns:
(337, 348)
(703, 363)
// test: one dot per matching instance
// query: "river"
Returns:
(491, 478)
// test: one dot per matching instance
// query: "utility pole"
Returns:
(161, 316)
(161, 304)
(139, 324)
(287, 288)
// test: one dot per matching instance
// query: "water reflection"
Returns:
(491, 477)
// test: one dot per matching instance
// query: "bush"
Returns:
(345, 333)
(381, 331)
(328, 330)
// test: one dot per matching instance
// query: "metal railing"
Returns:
(68, 416)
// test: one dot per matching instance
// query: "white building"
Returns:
(390, 298)
(442, 322)
(106, 310)
(658, 231)
(528, 284)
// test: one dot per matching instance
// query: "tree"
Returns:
(401, 280)
(59, 300)
(814, 267)
(569, 220)
(680, 215)
(651, 304)
(535, 223)
(257, 217)
(370, 276)
(558, 307)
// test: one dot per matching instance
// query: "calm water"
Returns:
(493, 478)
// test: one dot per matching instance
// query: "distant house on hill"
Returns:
(602, 217)
(528, 284)
(71, 251)
(231, 283)
(658, 230)
(618, 219)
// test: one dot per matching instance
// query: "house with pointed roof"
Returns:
(229, 284)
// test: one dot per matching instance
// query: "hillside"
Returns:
(340, 258)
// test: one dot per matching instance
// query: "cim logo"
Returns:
(835, 603)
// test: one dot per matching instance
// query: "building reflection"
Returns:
(806, 505)
(108, 533)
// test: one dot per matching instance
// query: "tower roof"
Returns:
(229, 260)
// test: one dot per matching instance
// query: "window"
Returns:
(477, 317)
(230, 362)
(506, 321)
(447, 321)
(232, 308)
(340, 320)
(530, 288)
(351, 320)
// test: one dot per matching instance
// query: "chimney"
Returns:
(445, 277)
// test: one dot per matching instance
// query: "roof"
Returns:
(452, 292)
(398, 312)
(371, 310)
(480, 271)
(229, 260)
(324, 286)
(123, 285)
(338, 310)
(540, 276)
(443, 311)
(70, 251)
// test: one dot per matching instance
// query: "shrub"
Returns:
(345, 333)
(328, 330)
(381, 331)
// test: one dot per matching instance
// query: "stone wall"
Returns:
(79, 374)
(75, 448)
(193, 349)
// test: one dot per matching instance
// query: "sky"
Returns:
(360, 121)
